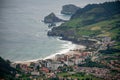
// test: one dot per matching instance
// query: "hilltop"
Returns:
(94, 20)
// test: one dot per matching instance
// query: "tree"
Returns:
(38, 67)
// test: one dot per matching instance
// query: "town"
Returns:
(78, 61)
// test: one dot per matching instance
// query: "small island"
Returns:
(51, 18)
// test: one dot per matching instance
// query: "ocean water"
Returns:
(22, 34)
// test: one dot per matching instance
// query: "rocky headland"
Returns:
(52, 18)
(69, 9)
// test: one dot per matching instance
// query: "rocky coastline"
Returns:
(66, 36)
(52, 18)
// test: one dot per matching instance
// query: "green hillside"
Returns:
(94, 20)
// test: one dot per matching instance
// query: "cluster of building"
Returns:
(50, 67)
(98, 72)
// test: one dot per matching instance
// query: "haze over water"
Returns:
(22, 34)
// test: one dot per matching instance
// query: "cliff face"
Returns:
(51, 18)
(69, 9)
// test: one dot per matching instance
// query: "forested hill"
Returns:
(93, 20)
(97, 12)
(6, 71)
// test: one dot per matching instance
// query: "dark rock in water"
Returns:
(51, 18)
(69, 9)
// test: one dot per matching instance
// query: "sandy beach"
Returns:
(70, 51)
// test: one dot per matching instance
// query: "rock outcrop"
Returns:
(69, 9)
(51, 18)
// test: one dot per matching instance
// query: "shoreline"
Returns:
(68, 51)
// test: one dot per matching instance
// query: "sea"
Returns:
(23, 35)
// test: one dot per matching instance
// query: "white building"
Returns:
(69, 63)
(36, 65)
(35, 73)
(48, 64)
(55, 65)
(78, 61)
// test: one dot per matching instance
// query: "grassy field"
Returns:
(80, 76)
(103, 28)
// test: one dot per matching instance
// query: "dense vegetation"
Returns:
(89, 63)
(6, 71)
(94, 20)
(78, 76)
